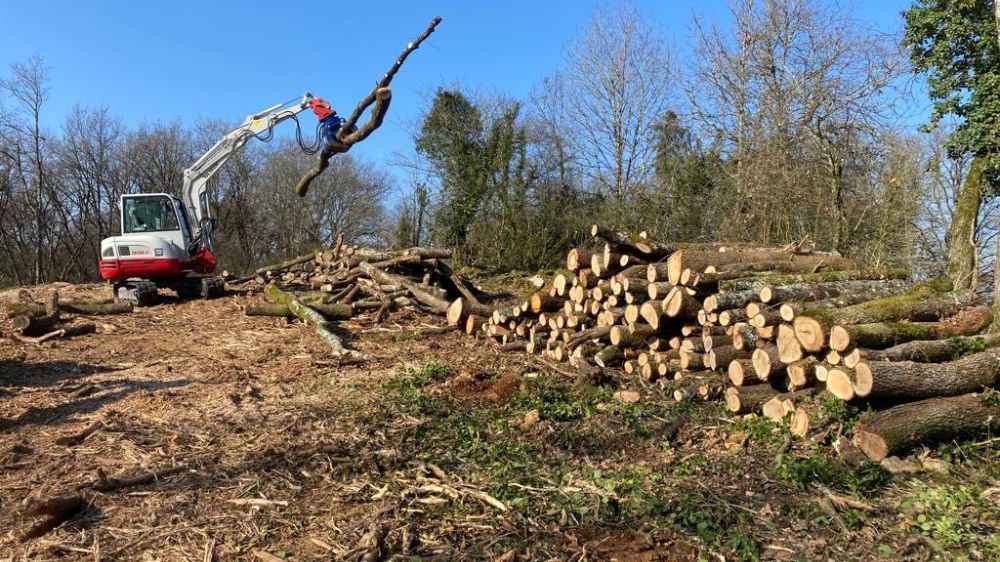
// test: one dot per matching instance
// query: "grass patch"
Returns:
(955, 519)
(715, 523)
(867, 478)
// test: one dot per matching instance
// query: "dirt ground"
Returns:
(437, 448)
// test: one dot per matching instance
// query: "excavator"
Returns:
(167, 241)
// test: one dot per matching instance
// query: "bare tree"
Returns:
(28, 152)
(616, 87)
(799, 94)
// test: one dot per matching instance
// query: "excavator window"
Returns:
(153, 213)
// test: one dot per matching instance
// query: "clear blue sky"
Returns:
(185, 60)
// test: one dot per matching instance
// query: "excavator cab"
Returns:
(153, 249)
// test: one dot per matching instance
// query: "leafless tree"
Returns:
(27, 152)
(799, 94)
(616, 88)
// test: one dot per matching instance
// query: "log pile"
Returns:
(767, 330)
(343, 282)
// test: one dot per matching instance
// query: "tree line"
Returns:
(59, 190)
(792, 123)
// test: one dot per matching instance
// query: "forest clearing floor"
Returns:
(440, 447)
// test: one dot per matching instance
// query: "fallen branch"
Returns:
(314, 319)
(78, 437)
(349, 133)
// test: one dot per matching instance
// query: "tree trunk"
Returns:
(329, 311)
(698, 261)
(781, 279)
(931, 351)
(902, 427)
(810, 292)
(746, 399)
(461, 308)
(962, 249)
(907, 380)
(881, 335)
(77, 307)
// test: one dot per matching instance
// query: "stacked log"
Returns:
(344, 282)
(784, 325)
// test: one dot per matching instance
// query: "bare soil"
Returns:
(437, 448)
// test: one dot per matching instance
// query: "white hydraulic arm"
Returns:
(196, 177)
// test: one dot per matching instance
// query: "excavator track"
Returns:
(137, 293)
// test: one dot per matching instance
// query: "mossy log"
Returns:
(758, 282)
(314, 319)
(929, 421)
(908, 380)
(790, 310)
(810, 292)
(331, 311)
(928, 302)
(88, 308)
(700, 260)
(29, 325)
(881, 335)
(932, 351)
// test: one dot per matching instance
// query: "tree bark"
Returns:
(962, 249)
(902, 427)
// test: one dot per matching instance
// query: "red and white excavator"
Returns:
(167, 242)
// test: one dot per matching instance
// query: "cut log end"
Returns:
(863, 380)
(789, 348)
(840, 339)
(839, 384)
(809, 333)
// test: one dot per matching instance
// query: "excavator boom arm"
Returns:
(197, 176)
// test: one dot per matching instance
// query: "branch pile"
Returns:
(768, 330)
(343, 282)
